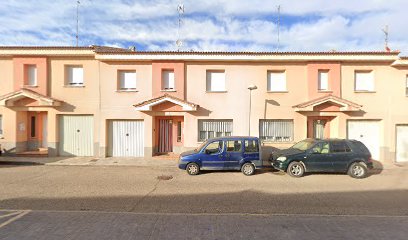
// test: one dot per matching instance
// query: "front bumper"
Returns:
(278, 165)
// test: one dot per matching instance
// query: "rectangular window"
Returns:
(168, 80)
(127, 80)
(74, 75)
(251, 146)
(33, 124)
(216, 81)
(276, 130)
(364, 81)
(1, 126)
(234, 146)
(31, 71)
(209, 127)
(323, 84)
(178, 131)
(277, 81)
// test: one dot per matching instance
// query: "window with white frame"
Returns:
(127, 80)
(364, 81)
(277, 81)
(406, 85)
(168, 80)
(216, 81)
(210, 128)
(276, 130)
(1, 126)
(323, 80)
(31, 71)
(74, 75)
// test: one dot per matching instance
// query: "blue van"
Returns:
(224, 153)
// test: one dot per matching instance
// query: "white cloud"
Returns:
(213, 25)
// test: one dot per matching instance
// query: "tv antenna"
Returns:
(77, 22)
(386, 33)
(180, 10)
(278, 23)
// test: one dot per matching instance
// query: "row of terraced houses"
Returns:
(103, 101)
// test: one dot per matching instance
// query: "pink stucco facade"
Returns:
(155, 120)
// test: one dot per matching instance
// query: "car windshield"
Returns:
(304, 145)
(201, 146)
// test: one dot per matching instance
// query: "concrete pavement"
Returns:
(100, 226)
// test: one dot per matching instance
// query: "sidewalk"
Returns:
(126, 161)
(88, 161)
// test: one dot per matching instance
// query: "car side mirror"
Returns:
(207, 151)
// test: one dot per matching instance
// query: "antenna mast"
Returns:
(77, 22)
(386, 33)
(180, 10)
(278, 46)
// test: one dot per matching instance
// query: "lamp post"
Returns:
(250, 88)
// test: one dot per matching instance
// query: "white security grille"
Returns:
(276, 130)
(210, 128)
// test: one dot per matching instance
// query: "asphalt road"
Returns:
(89, 202)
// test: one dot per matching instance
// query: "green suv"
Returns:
(324, 155)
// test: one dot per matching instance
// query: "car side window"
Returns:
(234, 146)
(251, 146)
(339, 147)
(322, 148)
(214, 147)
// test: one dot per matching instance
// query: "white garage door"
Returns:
(76, 135)
(126, 138)
(402, 144)
(367, 132)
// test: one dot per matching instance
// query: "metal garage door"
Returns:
(402, 144)
(76, 135)
(126, 138)
(367, 132)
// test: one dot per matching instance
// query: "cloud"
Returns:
(210, 25)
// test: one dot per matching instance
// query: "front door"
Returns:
(213, 156)
(318, 128)
(165, 135)
(319, 158)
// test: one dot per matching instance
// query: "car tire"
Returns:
(357, 170)
(248, 169)
(193, 169)
(295, 169)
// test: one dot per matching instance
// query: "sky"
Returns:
(208, 25)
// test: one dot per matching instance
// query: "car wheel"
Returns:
(295, 169)
(248, 169)
(192, 169)
(357, 170)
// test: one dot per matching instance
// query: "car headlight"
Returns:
(282, 158)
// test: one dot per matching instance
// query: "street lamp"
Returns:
(250, 88)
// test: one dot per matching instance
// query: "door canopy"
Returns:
(328, 103)
(28, 98)
(166, 103)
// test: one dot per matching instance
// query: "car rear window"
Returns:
(251, 146)
(359, 146)
(340, 147)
